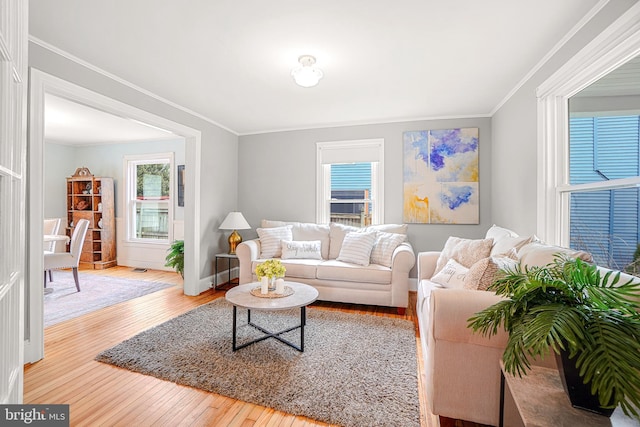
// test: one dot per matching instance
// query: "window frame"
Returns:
(351, 151)
(130, 195)
(615, 46)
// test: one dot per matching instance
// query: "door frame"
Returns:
(42, 83)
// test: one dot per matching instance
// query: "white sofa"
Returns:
(462, 367)
(335, 279)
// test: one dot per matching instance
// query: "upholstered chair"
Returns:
(71, 259)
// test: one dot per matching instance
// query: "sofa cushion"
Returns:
(356, 247)
(537, 254)
(308, 249)
(296, 268)
(336, 236)
(452, 275)
(385, 244)
(270, 239)
(465, 251)
(342, 271)
(389, 228)
(304, 231)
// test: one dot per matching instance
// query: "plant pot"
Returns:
(578, 392)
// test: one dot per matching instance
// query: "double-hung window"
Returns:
(350, 182)
(149, 197)
(602, 197)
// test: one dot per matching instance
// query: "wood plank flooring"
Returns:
(103, 395)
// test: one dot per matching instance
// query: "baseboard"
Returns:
(413, 284)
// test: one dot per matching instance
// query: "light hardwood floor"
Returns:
(103, 395)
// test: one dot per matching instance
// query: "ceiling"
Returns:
(230, 61)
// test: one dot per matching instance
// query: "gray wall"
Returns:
(277, 177)
(60, 161)
(219, 147)
(515, 132)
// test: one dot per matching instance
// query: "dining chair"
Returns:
(51, 226)
(71, 259)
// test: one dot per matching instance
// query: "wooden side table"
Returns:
(228, 258)
(539, 400)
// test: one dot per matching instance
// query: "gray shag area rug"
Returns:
(96, 292)
(356, 370)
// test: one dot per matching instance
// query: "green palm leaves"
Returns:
(570, 305)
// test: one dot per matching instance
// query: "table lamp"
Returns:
(234, 221)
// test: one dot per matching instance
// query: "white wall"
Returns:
(218, 161)
(59, 163)
(278, 173)
(514, 126)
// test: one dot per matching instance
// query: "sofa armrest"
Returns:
(403, 258)
(427, 262)
(247, 252)
(451, 309)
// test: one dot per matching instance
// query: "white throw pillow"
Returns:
(496, 233)
(505, 244)
(465, 251)
(336, 235)
(309, 249)
(309, 231)
(270, 239)
(356, 248)
(452, 275)
(389, 228)
(384, 246)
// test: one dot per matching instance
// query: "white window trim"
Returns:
(612, 48)
(323, 178)
(129, 181)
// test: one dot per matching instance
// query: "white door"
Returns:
(13, 85)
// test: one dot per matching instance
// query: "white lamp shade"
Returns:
(234, 221)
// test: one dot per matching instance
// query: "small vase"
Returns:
(272, 284)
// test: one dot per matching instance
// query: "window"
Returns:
(350, 175)
(603, 194)
(149, 197)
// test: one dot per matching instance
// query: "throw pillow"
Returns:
(465, 251)
(356, 247)
(309, 231)
(270, 240)
(452, 275)
(336, 236)
(308, 249)
(384, 246)
(484, 272)
(540, 254)
(496, 233)
(389, 228)
(506, 243)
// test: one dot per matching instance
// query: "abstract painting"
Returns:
(441, 176)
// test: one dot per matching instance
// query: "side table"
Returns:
(539, 400)
(222, 257)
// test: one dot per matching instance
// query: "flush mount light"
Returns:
(306, 75)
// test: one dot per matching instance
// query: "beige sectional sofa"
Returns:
(462, 368)
(337, 260)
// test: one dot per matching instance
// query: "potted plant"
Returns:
(588, 319)
(175, 256)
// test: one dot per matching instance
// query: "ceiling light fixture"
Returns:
(307, 75)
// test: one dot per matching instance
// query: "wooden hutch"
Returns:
(92, 198)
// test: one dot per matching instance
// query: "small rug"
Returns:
(357, 370)
(96, 292)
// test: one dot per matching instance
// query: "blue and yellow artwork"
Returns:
(441, 176)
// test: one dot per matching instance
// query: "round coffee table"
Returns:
(241, 296)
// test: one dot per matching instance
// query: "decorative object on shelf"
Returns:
(306, 75)
(82, 205)
(271, 269)
(234, 221)
(175, 257)
(100, 207)
(568, 307)
(83, 172)
(100, 223)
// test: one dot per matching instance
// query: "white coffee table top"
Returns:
(303, 295)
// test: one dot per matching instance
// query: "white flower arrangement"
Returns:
(270, 268)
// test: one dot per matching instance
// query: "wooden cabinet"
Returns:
(92, 198)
